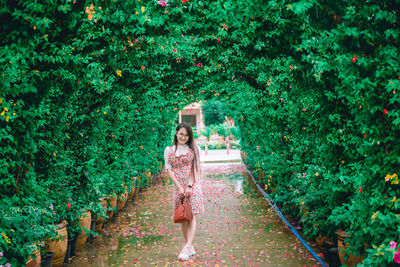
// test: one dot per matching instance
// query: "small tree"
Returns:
(214, 112)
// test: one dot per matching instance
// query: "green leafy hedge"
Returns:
(91, 90)
(325, 134)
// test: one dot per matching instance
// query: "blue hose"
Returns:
(275, 207)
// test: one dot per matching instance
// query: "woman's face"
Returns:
(182, 136)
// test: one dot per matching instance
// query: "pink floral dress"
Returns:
(181, 165)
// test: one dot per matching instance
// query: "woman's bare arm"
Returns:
(175, 181)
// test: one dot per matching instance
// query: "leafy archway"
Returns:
(91, 90)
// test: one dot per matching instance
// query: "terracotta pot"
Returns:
(34, 262)
(351, 260)
(113, 203)
(59, 246)
(132, 192)
(137, 187)
(100, 220)
(122, 200)
(84, 221)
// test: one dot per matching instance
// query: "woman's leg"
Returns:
(185, 231)
(191, 231)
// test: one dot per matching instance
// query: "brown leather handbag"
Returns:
(183, 210)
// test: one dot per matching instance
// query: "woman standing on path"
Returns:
(182, 160)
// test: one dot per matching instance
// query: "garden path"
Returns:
(238, 229)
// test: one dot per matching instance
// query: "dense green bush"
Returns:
(91, 90)
(82, 113)
(215, 111)
(327, 123)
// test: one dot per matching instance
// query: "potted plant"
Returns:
(84, 223)
(58, 245)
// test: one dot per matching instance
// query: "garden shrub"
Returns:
(214, 112)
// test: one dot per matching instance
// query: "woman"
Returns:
(183, 164)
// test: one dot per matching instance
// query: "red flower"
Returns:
(360, 189)
(304, 109)
(385, 111)
(69, 205)
(175, 50)
(112, 135)
(218, 40)
(354, 59)
(365, 135)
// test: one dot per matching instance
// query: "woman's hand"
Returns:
(188, 191)
(181, 192)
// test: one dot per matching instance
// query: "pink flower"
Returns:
(304, 109)
(182, 35)
(393, 244)
(396, 257)
(162, 3)
(354, 59)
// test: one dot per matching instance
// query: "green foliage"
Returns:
(218, 145)
(214, 112)
(222, 130)
(326, 127)
(90, 93)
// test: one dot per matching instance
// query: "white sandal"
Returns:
(185, 254)
(192, 251)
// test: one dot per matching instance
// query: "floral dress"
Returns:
(180, 162)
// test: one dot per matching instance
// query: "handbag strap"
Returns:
(183, 200)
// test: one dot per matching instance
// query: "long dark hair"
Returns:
(190, 143)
